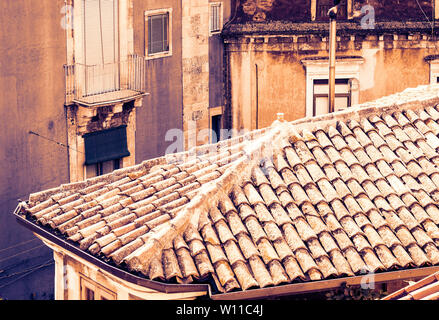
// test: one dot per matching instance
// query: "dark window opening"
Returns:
(323, 7)
(216, 128)
(101, 168)
(89, 294)
(104, 150)
(106, 145)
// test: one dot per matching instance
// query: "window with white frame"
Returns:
(434, 71)
(216, 17)
(347, 74)
(321, 96)
(158, 30)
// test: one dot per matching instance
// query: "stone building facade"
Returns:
(277, 52)
(91, 86)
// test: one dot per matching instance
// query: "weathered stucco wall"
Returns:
(32, 54)
(195, 56)
(184, 85)
(162, 108)
(267, 75)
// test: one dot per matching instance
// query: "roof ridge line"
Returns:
(192, 213)
(413, 99)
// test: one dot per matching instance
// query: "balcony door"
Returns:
(101, 46)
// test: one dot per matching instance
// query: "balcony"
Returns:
(98, 85)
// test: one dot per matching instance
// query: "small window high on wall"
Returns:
(216, 17)
(158, 33)
(347, 88)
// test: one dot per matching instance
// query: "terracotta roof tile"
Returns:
(424, 289)
(235, 223)
(261, 274)
(252, 194)
(326, 201)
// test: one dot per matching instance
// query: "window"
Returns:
(321, 95)
(215, 17)
(434, 71)
(215, 124)
(101, 37)
(104, 150)
(216, 128)
(100, 168)
(89, 294)
(323, 7)
(157, 33)
(317, 74)
(90, 290)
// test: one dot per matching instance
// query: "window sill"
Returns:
(213, 33)
(158, 55)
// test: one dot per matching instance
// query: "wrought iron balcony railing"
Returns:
(106, 83)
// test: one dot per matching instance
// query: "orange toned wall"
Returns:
(266, 74)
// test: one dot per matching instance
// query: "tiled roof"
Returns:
(425, 289)
(314, 199)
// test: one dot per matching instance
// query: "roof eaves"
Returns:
(118, 272)
(323, 285)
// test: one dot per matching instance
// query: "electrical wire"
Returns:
(18, 244)
(24, 275)
(20, 253)
(57, 142)
(6, 268)
(24, 271)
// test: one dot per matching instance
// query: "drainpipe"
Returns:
(257, 96)
(332, 13)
